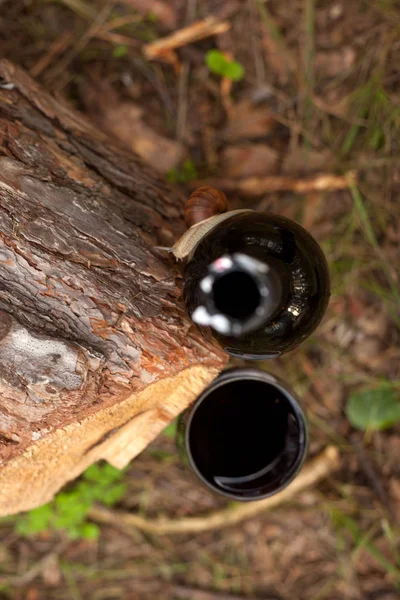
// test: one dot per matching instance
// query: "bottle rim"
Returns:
(252, 374)
(208, 313)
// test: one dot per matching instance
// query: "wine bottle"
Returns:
(259, 281)
(245, 436)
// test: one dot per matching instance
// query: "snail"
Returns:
(205, 202)
(204, 210)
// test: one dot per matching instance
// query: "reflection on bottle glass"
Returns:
(260, 282)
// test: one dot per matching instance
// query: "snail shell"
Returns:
(206, 208)
(205, 202)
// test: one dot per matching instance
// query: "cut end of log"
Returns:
(116, 434)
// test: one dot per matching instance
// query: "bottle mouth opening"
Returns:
(247, 437)
(236, 296)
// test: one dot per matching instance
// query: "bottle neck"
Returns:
(238, 294)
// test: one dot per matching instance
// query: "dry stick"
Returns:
(56, 48)
(117, 38)
(183, 82)
(81, 8)
(318, 468)
(31, 573)
(94, 28)
(188, 593)
(256, 186)
(192, 33)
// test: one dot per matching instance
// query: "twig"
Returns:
(316, 469)
(183, 82)
(192, 33)
(118, 22)
(56, 48)
(81, 8)
(80, 44)
(189, 593)
(117, 38)
(181, 113)
(37, 568)
(371, 475)
(256, 186)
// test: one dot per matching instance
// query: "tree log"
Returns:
(96, 352)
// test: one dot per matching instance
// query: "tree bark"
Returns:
(96, 353)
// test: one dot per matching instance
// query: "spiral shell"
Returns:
(205, 202)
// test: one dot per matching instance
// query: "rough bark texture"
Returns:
(96, 353)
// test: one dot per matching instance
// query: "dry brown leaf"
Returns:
(51, 571)
(339, 107)
(368, 351)
(373, 322)
(249, 121)
(32, 594)
(160, 8)
(124, 121)
(301, 161)
(276, 61)
(335, 62)
(252, 159)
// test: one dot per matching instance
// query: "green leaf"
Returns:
(112, 494)
(34, 521)
(161, 455)
(170, 430)
(120, 51)
(234, 70)
(216, 62)
(172, 175)
(69, 510)
(188, 171)
(152, 17)
(89, 531)
(92, 473)
(74, 532)
(103, 474)
(378, 408)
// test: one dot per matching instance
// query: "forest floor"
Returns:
(301, 91)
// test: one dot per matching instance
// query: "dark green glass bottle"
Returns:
(259, 281)
(245, 436)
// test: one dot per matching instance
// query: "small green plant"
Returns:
(220, 65)
(120, 51)
(152, 17)
(362, 541)
(378, 115)
(186, 172)
(69, 510)
(373, 409)
(170, 430)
